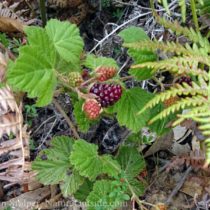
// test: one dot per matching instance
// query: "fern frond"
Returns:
(183, 89)
(168, 47)
(201, 110)
(190, 33)
(180, 65)
(155, 45)
(182, 5)
(179, 105)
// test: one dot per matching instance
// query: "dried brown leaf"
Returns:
(16, 169)
(10, 25)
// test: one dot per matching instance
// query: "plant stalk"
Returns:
(43, 12)
(195, 18)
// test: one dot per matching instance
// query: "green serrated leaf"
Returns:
(110, 166)
(133, 34)
(93, 62)
(99, 197)
(32, 72)
(86, 160)
(53, 168)
(66, 67)
(128, 107)
(84, 190)
(131, 161)
(137, 187)
(132, 164)
(61, 146)
(71, 183)
(37, 36)
(82, 121)
(66, 40)
(136, 34)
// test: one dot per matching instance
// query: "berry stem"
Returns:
(89, 81)
(83, 95)
(70, 123)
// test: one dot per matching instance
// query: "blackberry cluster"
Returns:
(185, 79)
(108, 94)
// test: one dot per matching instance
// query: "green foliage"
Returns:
(76, 165)
(132, 163)
(4, 40)
(31, 112)
(132, 35)
(188, 60)
(131, 101)
(93, 62)
(85, 158)
(52, 164)
(204, 9)
(8, 208)
(71, 183)
(37, 65)
(84, 190)
(106, 3)
(182, 4)
(105, 196)
(32, 144)
(66, 40)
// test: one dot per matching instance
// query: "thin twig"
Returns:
(70, 123)
(116, 29)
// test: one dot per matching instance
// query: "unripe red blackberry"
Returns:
(185, 79)
(105, 73)
(108, 94)
(75, 79)
(92, 109)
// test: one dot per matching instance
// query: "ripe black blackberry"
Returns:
(185, 79)
(108, 94)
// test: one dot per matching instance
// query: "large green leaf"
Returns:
(133, 34)
(84, 190)
(99, 198)
(52, 164)
(110, 166)
(136, 34)
(137, 186)
(71, 183)
(86, 160)
(141, 56)
(66, 40)
(33, 72)
(131, 161)
(128, 107)
(93, 62)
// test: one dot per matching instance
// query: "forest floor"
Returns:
(174, 181)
